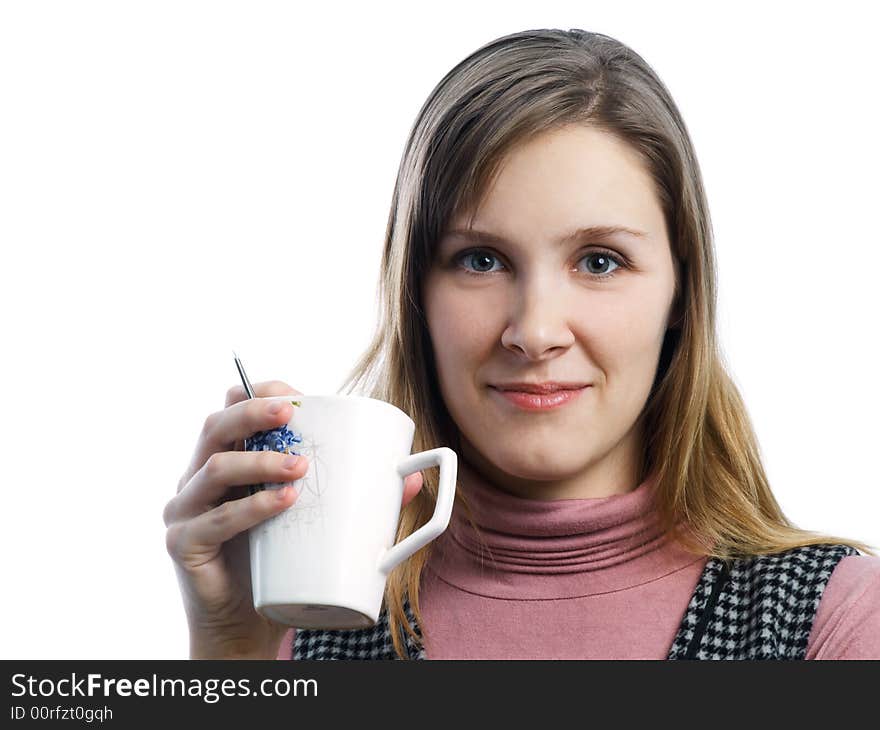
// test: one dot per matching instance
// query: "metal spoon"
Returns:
(244, 378)
(252, 488)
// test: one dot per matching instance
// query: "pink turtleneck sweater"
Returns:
(593, 579)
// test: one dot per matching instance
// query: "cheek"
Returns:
(459, 330)
(457, 349)
(625, 333)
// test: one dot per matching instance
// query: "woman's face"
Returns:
(533, 305)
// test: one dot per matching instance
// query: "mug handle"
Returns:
(447, 460)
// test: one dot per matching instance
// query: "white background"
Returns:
(181, 179)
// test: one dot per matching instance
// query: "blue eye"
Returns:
(476, 255)
(483, 257)
(605, 258)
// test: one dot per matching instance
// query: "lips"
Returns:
(540, 401)
(538, 388)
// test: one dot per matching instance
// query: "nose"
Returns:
(538, 323)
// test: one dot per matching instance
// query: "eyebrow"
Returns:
(576, 236)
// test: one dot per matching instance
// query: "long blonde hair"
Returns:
(712, 494)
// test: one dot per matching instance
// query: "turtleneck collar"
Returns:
(539, 549)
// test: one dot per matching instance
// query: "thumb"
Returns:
(411, 486)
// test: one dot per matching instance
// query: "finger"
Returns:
(212, 484)
(236, 394)
(202, 537)
(269, 387)
(225, 430)
(411, 487)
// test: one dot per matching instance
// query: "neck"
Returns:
(615, 472)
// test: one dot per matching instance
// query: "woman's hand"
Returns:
(209, 518)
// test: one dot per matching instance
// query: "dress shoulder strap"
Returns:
(760, 607)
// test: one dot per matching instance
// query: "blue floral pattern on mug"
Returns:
(280, 439)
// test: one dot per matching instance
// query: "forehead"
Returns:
(568, 178)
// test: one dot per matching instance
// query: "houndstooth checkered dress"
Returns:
(752, 608)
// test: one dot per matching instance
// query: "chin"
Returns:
(539, 464)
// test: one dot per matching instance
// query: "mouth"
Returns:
(540, 401)
(539, 388)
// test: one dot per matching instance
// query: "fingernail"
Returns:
(276, 407)
(290, 461)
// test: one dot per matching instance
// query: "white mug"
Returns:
(323, 562)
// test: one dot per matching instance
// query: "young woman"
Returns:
(548, 289)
